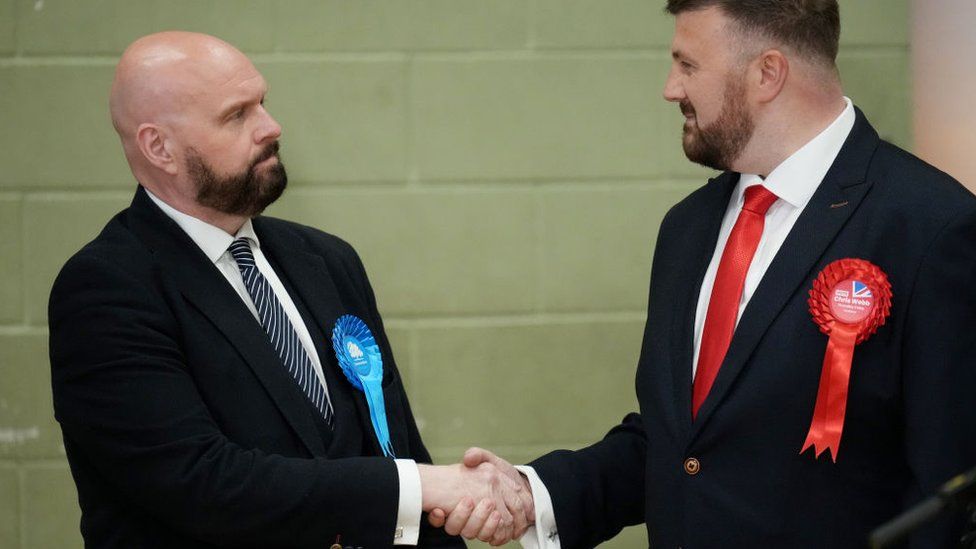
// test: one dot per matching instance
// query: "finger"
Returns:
(478, 518)
(487, 532)
(459, 516)
(437, 518)
(501, 537)
(528, 505)
(506, 524)
(503, 532)
(510, 492)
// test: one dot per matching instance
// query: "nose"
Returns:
(673, 90)
(268, 128)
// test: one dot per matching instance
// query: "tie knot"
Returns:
(759, 199)
(241, 250)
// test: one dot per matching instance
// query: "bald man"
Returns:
(199, 395)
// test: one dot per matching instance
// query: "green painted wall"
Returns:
(502, 167)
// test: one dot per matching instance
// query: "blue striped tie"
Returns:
(283, 336)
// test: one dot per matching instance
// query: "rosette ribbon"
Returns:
(362, 363)
(849, 301)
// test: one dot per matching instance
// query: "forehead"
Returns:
(224, 79)
(702, 34)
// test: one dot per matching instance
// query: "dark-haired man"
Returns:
(195, 377)
(736, 377)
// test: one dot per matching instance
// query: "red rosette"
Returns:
(849, 301)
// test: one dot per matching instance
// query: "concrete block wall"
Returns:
(502, 167)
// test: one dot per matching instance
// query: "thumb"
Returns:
(474, 457)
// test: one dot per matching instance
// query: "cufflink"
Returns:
(398, 533)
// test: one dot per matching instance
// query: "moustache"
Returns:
(268, 152)
(686, 108)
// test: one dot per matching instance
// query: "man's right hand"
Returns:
(499, 517)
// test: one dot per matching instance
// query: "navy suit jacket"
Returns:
(181, 425)
(911, 412)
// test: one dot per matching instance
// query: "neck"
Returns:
(228, 223)
(782, 131)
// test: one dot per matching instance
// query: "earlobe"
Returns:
(154, 147)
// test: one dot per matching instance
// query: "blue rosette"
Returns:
(362, 363)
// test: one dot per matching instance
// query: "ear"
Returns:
(773, 70)
(156, 148)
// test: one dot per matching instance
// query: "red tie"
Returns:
(723, 307)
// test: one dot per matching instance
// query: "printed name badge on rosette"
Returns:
(362, 363)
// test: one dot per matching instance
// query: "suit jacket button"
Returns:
(692, 467)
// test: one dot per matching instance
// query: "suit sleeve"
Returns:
(939, 370)
(598, 490)
(129, 408)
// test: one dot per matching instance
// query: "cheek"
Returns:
(707, 105)
(232, 155)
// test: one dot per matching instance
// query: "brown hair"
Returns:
(810, 27)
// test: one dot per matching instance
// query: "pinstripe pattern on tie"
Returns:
(283, 336)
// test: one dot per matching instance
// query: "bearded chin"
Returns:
(244, 194)
(700, 146)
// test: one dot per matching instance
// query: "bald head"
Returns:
(159, 74)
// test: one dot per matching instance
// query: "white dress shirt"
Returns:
(214, 243)
(794, 181)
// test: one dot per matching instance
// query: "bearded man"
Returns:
(200, 352)
(807, 368)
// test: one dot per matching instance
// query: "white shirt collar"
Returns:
(213, 240)
(797, 178)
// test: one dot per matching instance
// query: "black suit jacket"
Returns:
(911, 413)
(181, 425)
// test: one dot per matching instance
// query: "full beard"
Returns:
(720, 144)
(246, 193)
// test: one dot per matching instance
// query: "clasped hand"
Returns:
(482, 497)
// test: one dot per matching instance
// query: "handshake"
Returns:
(482, 497)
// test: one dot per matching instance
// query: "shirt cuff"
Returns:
(409, 511)
(543, 535)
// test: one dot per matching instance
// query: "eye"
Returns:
(238, 114)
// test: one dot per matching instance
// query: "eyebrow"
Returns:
(234, 107)
(239, 104)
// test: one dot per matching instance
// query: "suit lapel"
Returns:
(204, 286)
(818, 225)
(699, 244)
(315, 287)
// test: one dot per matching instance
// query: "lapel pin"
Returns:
(839, 205)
